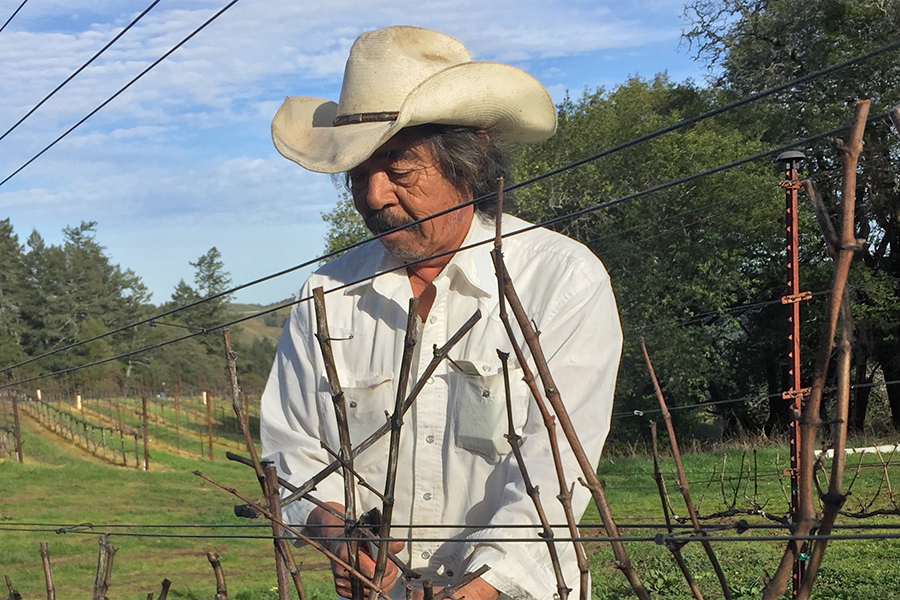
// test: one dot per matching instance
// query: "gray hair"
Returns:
(469, 158)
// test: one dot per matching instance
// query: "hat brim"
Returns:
(501, 99)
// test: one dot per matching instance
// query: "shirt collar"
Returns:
(474, 266)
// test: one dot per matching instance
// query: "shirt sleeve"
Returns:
(291, 415)
(581, 339)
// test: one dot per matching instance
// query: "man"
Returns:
(420, 129)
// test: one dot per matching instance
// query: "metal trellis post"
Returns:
(795, 393)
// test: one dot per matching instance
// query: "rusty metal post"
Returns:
(16, 430)
(209, 428)
(177, 415)
(145, 432)
(790, 184)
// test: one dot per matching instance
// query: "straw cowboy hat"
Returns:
(399, 77)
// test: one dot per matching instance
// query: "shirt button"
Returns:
(432, 319)
(486, 367)
(485, 393)
(429, 439)
(431, 380)
(426, 555)
(353, 404)
(427, 495)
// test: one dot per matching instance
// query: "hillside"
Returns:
(163, 521)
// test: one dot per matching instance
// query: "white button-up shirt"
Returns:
(459, 486)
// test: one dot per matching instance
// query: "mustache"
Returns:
(383, 221)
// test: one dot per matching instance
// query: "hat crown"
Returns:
(387, 64)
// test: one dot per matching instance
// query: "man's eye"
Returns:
(357, 180)
(401, 176)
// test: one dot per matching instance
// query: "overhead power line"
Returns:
(649, 411)
(549, 222)
(121, 90)
(15, 12)
(687, 535)
(659, 132)
(81, 68)
(63, 528)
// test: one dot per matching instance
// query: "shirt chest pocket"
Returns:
(367, 399)
(479, 406)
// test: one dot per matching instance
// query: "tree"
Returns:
(679, 258)
(72, 292)
(11, 295)
(761, 44)
(210, 279)
(345, 225)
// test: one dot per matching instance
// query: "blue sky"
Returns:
(183, 160)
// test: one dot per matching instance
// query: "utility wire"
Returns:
(15, 12)
(659, 132)
(588, 210)
(72, 527)
(659, 538)
(641, 413)
(121, 90)
(81, 68)
(691, 319)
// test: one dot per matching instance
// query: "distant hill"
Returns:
(268, 325)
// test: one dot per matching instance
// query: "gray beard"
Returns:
(382, 222)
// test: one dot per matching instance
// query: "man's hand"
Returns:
(327, 525)
(477, 589)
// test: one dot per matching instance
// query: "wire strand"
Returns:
(121, 90)
(659, 538)
(612, 150)
(81, 68)
(15, 12)
(549, 222)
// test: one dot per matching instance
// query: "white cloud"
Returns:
(187, 147)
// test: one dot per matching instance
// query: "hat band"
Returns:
(369, 117)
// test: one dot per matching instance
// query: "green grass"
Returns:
(852, 570)
(61, 485)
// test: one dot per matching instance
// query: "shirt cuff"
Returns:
(296, 514)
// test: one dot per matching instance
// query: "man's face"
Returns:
(402, 183)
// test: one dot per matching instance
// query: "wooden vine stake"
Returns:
(221, 589)
(515, 441)
(48, 575)
(104, 569)
(833, 500)
(673, 546)
(810, 421)
(284, 558)
(13, 593)
(396, 421)
(682, 479)
(346, 452)
(589, 474)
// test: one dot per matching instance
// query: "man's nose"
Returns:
(380, 191)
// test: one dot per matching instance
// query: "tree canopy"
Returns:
(762, 44)
(53, 296)
(699, 268)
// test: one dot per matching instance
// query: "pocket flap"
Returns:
(366, 380)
